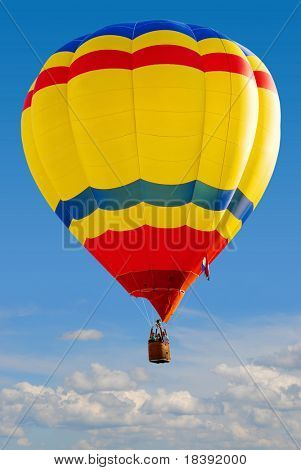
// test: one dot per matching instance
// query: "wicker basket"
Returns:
(158, 352)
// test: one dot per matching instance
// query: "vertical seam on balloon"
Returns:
(201, 143)
(202, 131)
(229, 117)
(204, 118)
(257, 127)
(202, 136)
(136, 137)
(135, 127)
(257, 88)
(228, 127)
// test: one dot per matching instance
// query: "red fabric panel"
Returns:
(165, 301)
(154, 279)
(158, 263)
(98, 60)
(264, 80)
(164, 289)
(156, 55)
(153, 55)
(28, 100)
(147, 248)
(51, 76)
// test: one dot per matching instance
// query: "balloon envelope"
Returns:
(153, 142)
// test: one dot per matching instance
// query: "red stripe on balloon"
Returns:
(221, 62)
(153, 55)
(167, 55)
(28, 100)
(159, 55)
(51, 76)
(100, 60)
(264, 80)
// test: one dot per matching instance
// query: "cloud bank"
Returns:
(112, 410)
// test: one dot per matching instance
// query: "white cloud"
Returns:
(289, 358)
(100, 378)
(109, 400)
(180, 402)
(113, 408)
(283, 389)
(82, 335)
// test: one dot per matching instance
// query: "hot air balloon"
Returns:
(153, 142)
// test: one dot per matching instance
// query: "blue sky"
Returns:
(47, 290)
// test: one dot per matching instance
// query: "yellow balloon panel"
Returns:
(108, 42)
(157, 38)
(55, 141)
(34, 162)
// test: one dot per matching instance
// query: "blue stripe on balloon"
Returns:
(124, 30)
(240, 206)
(134, 30)
(160, 195)
(72, 45)
(77, 207)
(144, 27)
(201, 33)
